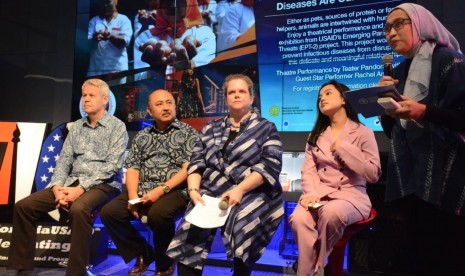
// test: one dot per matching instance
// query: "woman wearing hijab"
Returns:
(426, 159)
(341, 156)
(427, 153)
(237, 159)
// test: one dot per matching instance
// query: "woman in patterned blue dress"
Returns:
(238, 158)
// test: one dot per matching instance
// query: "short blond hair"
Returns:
(100, 84)
(240, 77)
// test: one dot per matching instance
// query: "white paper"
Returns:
(55, 214)
(315, 206)
(208, 215)
(135, 201)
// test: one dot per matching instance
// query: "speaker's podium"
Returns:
(53, 244)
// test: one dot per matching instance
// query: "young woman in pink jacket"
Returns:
(341, 156)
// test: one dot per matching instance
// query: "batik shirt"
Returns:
(92, 155)
(158, 156)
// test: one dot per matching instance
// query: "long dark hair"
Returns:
(322, 121)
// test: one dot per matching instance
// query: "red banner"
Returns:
(6, 136)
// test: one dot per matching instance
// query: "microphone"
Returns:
(224, 204)
(142, 214)
(388, 60)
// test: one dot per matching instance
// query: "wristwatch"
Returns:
(166, 188)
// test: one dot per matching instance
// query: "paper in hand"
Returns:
(208, 215)
(135, 201)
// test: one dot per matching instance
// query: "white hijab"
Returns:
(429, 32)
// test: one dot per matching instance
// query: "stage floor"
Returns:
(271, 264)
(114, 266)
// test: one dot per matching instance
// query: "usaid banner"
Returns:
(53, 244)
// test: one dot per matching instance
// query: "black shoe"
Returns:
(142, 263)
(167, 272)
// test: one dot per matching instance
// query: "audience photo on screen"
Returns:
(237, 19)
(190, 101)
(179, 39)
(145, 19)
(110, 33)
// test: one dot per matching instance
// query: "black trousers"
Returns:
(161, 220)
(27, 212)
(434, 240)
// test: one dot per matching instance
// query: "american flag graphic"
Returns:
(49, 155)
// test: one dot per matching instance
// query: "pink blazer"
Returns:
(343, 174)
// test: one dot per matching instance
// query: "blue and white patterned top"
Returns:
(158, 156)
(257, 148)
(92, 155)
(252, 223)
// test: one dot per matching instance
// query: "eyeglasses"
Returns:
(397, 25)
